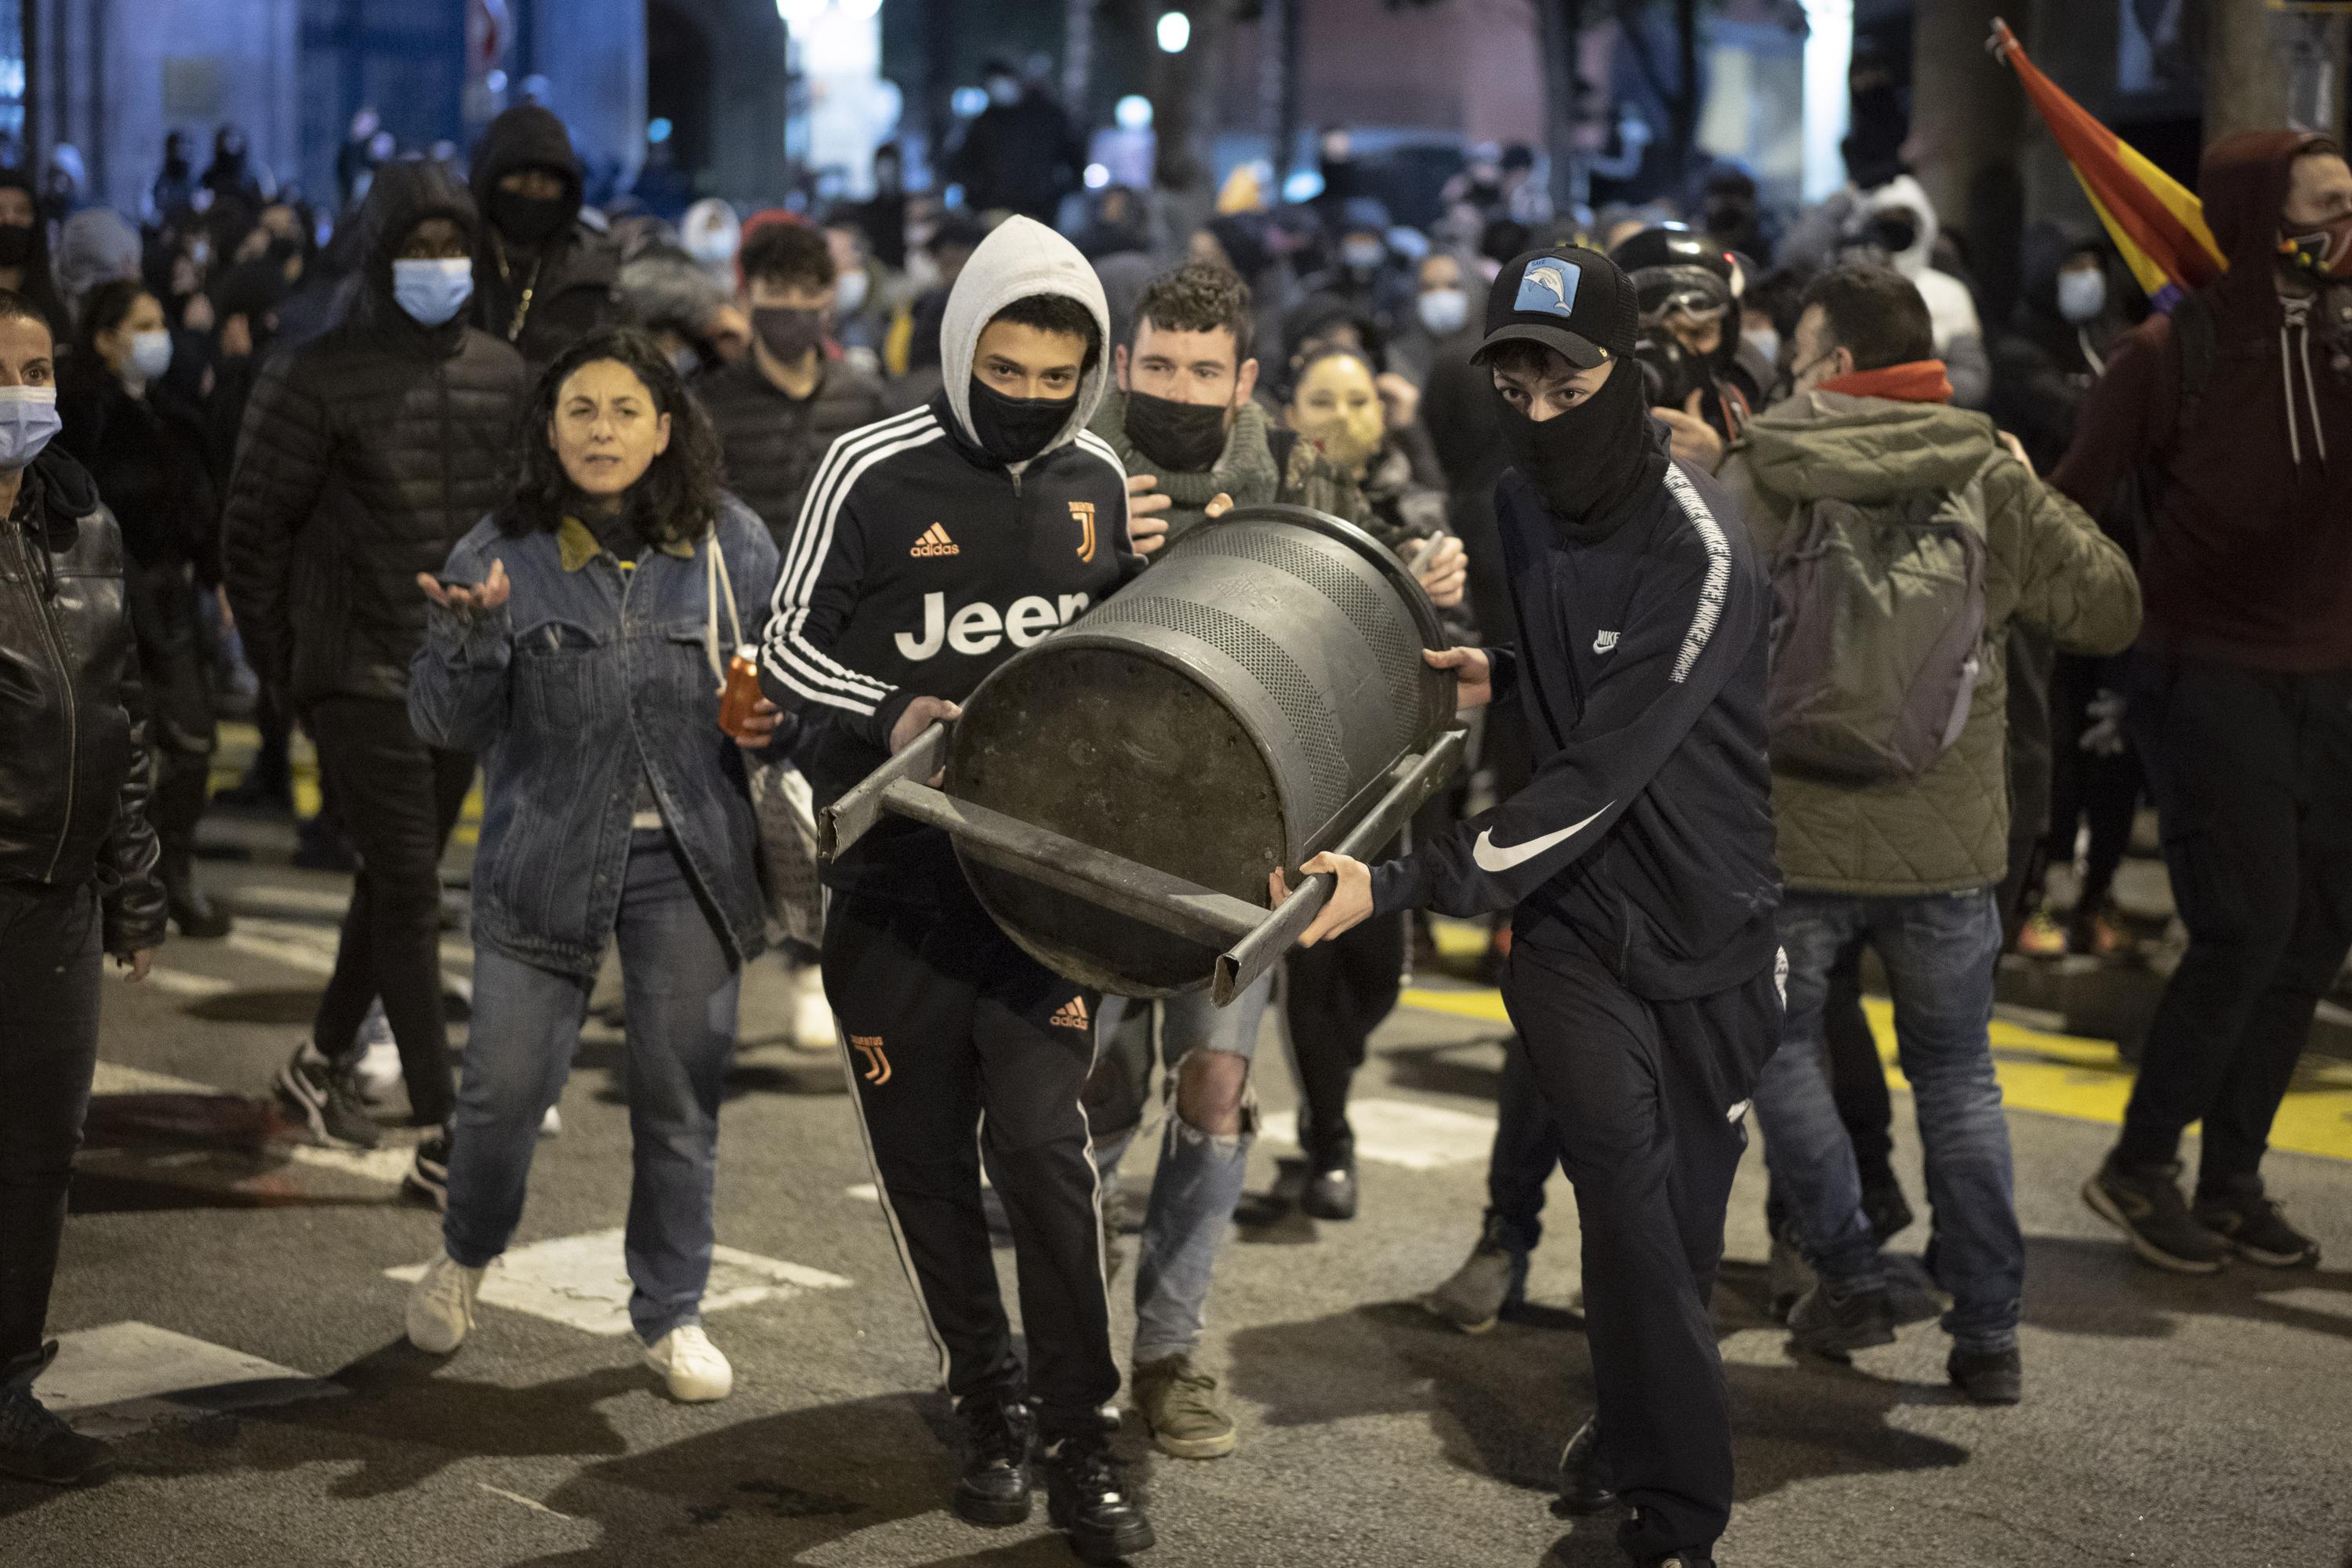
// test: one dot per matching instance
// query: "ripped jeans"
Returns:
(1199, 1181)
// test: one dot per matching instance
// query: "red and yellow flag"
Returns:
(2156, 222)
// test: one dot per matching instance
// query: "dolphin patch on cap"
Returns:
(1548, 284)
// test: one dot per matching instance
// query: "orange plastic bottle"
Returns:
(742, 692)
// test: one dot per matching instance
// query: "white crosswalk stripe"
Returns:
(581, 1280)
(1402, 1132)
(126, 1378)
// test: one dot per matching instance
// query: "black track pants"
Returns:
(1650, 1133)
(951, 1032)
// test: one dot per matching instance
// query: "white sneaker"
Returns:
(695, 1369)
(551, 1124)
(813, 1027)
(378, 1071)
(441, 1305)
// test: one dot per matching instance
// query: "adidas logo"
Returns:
(1073, 1014)
(935, 541)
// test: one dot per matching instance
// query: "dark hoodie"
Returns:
(571, 277)
(365, 453)
(2247, 556)
(39, 285)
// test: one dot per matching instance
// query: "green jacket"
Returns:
(2047, 567)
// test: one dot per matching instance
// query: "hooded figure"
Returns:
(2234, 413)
(1899, 219)
(542, 278)
(2070, 311)
(932, 546)
(25, 255)
(96, 243)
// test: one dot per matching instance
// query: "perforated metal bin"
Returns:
(1119, 791)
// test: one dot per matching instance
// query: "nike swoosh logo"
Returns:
(1493, 861)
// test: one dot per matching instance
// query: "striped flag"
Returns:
(2156, 222)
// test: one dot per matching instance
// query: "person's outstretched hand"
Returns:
(483, 596)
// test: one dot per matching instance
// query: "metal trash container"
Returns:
(1120, 791)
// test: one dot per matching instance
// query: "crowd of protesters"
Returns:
(286, 443)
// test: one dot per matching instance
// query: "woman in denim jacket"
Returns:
(571, 644)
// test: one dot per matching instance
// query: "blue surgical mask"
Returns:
(1442, 310)
(433, 291)
(28, 417)
(151, 353)
(1766, 341)
(2081, 295)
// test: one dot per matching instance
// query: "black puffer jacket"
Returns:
(149, 458)
(572, 280)
(366, 454)
(73, 764)
(771, 443)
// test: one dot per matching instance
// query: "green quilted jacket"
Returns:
(2047, 566)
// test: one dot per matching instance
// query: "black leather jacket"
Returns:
(73, 761)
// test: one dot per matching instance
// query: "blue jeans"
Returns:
(1938, 951)
(1199, 1180)
(679, 992)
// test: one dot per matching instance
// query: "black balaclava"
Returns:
(527, 220)
(1015, 429)
(1587, 460)
(1181, 438)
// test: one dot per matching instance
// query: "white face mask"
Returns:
(151, 353)
(1765, 341)
(849, 292)
(2081, 295)
(1442, 310)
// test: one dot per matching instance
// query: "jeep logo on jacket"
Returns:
(920, 562)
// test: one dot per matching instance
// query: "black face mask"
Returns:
(1015, 429)
(1587, 460)
(1893, 233)
(1181, 438)
(527, 220)
(15, 244)
(786, 333)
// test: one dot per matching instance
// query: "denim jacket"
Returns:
(585, 676)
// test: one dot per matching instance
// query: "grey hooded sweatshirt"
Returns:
(920, 562)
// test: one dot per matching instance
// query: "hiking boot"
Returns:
(1491, 1282)
(1587, 1484)
(2144, 1202)
(35, 1444)
(997, 1433)
(1886, 1209)
(327, 1099)
(1988, 1377)
(1834, 1325)
(1086, 1500)
(2251, 1225)
(1179, 1403)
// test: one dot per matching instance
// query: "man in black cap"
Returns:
(1644, 974)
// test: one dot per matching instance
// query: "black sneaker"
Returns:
(1331, 1188)
(997, 1433)
(35, 1444)
(328, 1100)
(1087, 1501)
(2251, 1225)
(1886, 1209)
(429, 1170)
(1988, 1377)
(1587, 1484)
(2144, 1202)
(1833, 1325)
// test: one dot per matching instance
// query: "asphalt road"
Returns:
(2168, 1421)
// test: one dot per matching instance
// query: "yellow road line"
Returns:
(2059, 1075)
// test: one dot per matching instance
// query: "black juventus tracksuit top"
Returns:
(1646, 835)
(919, 564)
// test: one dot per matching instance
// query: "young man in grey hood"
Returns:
(929, 548)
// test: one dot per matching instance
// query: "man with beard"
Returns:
(542, 278)
(1643, 975)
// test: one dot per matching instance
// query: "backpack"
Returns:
(1878, 617)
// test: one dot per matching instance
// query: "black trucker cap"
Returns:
(1568, 298)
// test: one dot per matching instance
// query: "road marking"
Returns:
(864, 1192)
(1403, 1133)
(531, 1503)
(2058, 1075)
(126, 1377)
(581, 1280)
